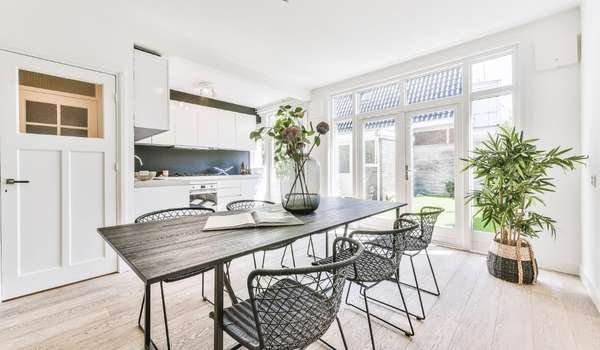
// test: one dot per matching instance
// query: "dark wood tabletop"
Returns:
(160, 249)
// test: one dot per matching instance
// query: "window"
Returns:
(379, 98)
(52, 105)
(433, 86)
(343, 106)
(493, 73)
(342, 153)
(491, 105)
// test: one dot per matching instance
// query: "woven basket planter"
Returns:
(512, 264)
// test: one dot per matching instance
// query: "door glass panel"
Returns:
(73, 132)
(433, 163)
(379, 161)
(487, 115)
(74, 116)
(54, 105)
(40, 112)
(41, 129)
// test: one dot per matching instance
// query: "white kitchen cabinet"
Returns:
(167, 138)
(186, 126)
(148, 199)
(226, 127)
(208, 126)
(244, 124)
(151, 94)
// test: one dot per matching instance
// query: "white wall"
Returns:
(549, 109)
(590, 124)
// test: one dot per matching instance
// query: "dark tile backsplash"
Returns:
(178, 160)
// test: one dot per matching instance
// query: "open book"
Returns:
(264, 216)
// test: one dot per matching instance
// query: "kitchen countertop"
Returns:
(189, 180)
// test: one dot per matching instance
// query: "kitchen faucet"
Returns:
(139, 159)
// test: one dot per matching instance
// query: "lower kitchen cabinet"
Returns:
(148, 199)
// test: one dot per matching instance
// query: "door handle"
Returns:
(13, 181)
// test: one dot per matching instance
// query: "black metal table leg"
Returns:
(326, 244)
(218, 308)
(148, 343)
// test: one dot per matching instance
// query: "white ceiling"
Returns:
(259, 51)
(304, 44)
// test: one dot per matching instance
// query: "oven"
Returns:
(203, 195)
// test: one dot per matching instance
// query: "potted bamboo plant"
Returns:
(513, 176)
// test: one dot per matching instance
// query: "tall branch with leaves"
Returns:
(513, 174)
(293, 140)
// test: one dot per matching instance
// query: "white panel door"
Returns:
(48, 224)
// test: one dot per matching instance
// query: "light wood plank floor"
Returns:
(475, 311)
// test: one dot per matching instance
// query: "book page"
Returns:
(221, 222)
(273, 215)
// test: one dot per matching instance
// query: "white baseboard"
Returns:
(592, 289)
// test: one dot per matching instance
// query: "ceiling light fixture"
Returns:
(204, 88)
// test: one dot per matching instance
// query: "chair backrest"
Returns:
(294, 307)
(387, 244)
(173, 213)
(426, 219)
(247, 204)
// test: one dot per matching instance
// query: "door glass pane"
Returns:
(73, 116)
(342, 153)
(433, 163)
(41, 129)
(40, 112)
(59, 106)
(73, 132)
(487, 115)
(379, 160)
(491, 74)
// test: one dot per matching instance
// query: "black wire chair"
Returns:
(164, 215)
(246, 204)
(378, 263)
(292, 308)
(417, 242)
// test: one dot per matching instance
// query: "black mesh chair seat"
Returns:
(285, 296)
(411, 242)
(291, 308)
(369, 267)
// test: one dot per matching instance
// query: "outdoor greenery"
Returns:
(513, 174)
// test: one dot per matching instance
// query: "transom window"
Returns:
(379, 98)
(436, 85)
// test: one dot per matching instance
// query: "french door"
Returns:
(432, 169)
(57, 173)
(413, 157)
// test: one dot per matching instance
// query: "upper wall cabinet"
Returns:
(244, 124)
(208, 127)
(186, 126)
(151, 94)
(199, 126)
(227, 133)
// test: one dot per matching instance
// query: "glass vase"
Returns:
(300, 185)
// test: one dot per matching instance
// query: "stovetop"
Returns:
(192, 174)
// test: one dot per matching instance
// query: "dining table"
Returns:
(157, 250)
